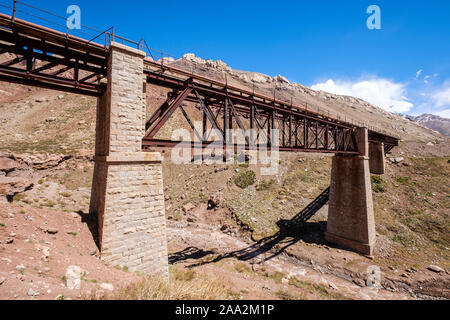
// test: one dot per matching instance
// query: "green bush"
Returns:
(245, 179)
(378, 184)
(265, 185)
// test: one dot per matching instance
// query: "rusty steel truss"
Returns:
(222, 106)
(46, 58)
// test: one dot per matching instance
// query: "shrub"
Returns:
(378, 184)
(245, 179)
(265, 185)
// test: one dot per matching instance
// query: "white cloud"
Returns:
(437, 101)
(441, 98)
(378, 91)
(418, 73)
(443, 114)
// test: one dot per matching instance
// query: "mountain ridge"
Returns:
(433, 122)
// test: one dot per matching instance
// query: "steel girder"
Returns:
(46, 58)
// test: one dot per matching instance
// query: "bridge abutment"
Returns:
(127, 190)
(351, 221)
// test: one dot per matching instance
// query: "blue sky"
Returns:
(404, 67)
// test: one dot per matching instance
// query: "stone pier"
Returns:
(127, 190)
(377, 157)
(351, 222)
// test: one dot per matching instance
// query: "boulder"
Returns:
(192, 58)
(51, 230)
(107, 286)
(73, 277)
(259, 78)
(244, 77)
(215, 200)
(219, 65)
(20, 268)
(436, 269)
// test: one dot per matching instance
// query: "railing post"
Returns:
(14, 11)
(113, 33)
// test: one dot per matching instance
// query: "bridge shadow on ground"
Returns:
(92, 223)
(291, 232)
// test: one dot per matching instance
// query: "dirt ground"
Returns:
(34, 262)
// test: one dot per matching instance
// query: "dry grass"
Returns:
(317, 289)
(184, 285)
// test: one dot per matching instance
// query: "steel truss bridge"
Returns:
(43, 57)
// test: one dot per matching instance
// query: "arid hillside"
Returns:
(228, 227)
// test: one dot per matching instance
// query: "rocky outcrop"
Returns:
(15, 177)
(280, 79)
(165, 60)
(218, 64)
(42, 161)
(18, 172)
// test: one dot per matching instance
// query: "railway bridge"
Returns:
(127, 190)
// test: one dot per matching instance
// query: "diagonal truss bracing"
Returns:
(298, 130)
(46, 58)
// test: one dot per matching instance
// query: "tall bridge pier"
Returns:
(127, 191)
(351, 221)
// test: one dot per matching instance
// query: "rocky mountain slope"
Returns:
(436, 123)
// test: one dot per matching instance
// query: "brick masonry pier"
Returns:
(127, 191)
